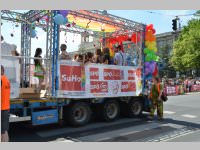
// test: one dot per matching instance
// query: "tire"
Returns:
(135, 108)
(109, 110)
(77, 114)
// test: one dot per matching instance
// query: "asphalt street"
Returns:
(181, 124)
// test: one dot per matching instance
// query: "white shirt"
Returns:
(120, 58)
(64, 56)
(6, 49)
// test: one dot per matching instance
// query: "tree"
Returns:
(197, 13)
(186, 50)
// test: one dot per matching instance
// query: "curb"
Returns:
(192, 93)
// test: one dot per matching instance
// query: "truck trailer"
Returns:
(76, 91)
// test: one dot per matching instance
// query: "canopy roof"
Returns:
(94, 22)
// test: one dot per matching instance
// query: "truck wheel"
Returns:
(78, 114)
(134, 108)
(110, 110)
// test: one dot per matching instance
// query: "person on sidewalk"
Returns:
(155, 97)
(5, 106)
(186, 86)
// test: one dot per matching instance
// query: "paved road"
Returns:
(182, 123)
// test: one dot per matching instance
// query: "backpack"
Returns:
(164, 95)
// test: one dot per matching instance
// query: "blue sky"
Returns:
(161, 19)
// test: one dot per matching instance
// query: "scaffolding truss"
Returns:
(53, 32)
(34, 15)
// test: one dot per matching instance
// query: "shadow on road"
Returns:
(21, 132)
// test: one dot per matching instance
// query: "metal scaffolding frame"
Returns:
(123, 23)
(53, 31)
(11, 15)
(25, 51)
(33, 15)
(49, 45)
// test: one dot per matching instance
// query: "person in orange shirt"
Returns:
(5, 106)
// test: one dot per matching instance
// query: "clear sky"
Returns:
(161, 19)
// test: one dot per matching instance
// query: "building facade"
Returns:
(165, 42)
(165, 49)
(88, 44)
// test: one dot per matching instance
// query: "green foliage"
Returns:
(186, 50)
(197, 13)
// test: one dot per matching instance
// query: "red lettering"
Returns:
(131, 75)
(112, 74)
(128, 87)
(70, 78)
(98, 87)
(94, 73)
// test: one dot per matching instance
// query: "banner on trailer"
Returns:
(97, 80)
(71, 79)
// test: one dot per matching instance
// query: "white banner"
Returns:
(97, 80)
